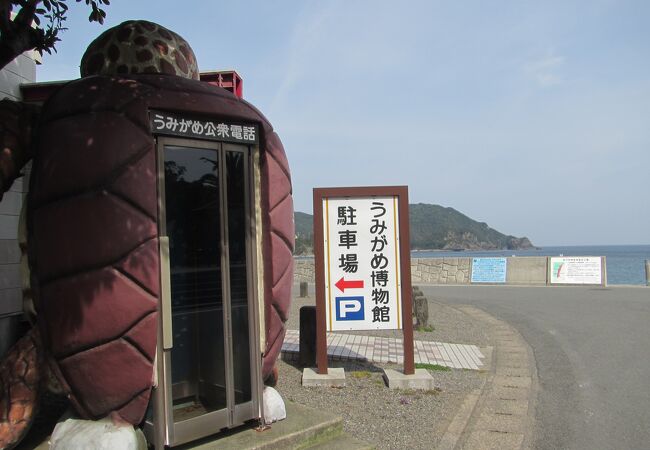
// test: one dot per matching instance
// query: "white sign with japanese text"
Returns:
(362, 264)
(176, 125)
(576, 270)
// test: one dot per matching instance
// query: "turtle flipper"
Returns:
(20, 381)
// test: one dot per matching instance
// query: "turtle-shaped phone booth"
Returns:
(93, 217)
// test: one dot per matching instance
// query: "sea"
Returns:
(625, 263)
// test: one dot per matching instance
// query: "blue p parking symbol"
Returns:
(349, 308)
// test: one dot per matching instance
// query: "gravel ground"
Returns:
(393, 419)
(450, 325)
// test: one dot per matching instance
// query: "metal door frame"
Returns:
(163, 431)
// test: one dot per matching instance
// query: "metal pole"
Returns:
(647, 272)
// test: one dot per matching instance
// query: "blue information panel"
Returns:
(488, 270)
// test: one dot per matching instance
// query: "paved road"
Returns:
(592, 347)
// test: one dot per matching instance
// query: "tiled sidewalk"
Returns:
(385, 350)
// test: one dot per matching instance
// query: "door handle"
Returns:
(165, 294)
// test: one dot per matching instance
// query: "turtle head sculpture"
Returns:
(138, 46)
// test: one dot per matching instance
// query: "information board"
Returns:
(576, 270)
(362, 263)
(488, 270)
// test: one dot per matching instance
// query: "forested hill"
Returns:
(433, 227)
(437, 227)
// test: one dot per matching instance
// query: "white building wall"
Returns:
(21, 70)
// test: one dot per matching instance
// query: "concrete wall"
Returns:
(10, 282)
(21, 70)
(526, 270)
(520, 270)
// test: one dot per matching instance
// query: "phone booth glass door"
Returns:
(208, 368)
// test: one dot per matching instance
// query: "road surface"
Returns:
(592, 348)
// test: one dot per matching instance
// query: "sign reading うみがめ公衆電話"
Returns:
(193, 127)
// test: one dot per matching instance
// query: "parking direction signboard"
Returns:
(362, 262)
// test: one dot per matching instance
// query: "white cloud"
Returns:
(545, 70)
(308, 36)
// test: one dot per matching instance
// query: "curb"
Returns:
(302, 427)
(500, 414)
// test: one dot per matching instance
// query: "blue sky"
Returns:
(531, 116)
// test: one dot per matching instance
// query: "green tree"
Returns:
(36, 24)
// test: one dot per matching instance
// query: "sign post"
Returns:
(362, 262)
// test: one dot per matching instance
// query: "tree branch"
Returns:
(20, 34)
(25, 16)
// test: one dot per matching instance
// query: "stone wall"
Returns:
(303, 270)
(440, 270)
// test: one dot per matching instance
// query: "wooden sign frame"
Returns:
(401, 192)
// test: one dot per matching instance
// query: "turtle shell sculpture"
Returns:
(92, 217)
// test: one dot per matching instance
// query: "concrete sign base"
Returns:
(334, 377)
(421, 379)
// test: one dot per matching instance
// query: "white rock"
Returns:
(77, 434)
(274, 409)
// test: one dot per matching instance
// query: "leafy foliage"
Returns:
(36, 24)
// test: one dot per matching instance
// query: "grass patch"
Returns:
(434, 391)
(437, 367)
(427, 328)
(409, 392)
(417, 393)
(359, 374)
